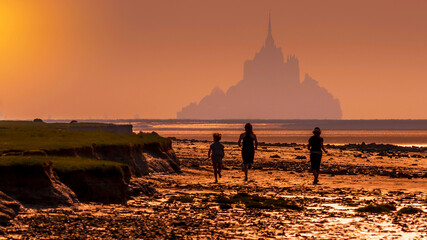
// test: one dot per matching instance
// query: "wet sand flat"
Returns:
(191, 206)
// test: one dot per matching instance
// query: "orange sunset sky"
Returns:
(148, 59)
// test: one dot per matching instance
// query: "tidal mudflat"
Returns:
(364, 194)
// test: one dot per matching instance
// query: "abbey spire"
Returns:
(269, 42)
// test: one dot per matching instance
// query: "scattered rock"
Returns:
(9, 208)
(377, 208)
(409, 210)
(138, 186)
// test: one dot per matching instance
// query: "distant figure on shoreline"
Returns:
(216, 151)
(250, 144)
(315, 145)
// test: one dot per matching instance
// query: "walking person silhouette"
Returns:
(250, 144)
(216, 151)
(315, 145)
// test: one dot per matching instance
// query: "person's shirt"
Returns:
(248, 141)
(316, 144)
(217, 149)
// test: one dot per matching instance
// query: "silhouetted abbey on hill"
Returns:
(270, 89)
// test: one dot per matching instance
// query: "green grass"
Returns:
(250, 201)
(409, 210)
(350, 203)
(281, 203)
(257, 202)
(377, 208)
(64, 164)
(29, 136)
(183, 199)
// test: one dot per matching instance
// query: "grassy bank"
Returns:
(30, 136)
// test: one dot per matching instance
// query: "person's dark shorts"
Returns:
(315, 159)
(248, 156)
(216, 159)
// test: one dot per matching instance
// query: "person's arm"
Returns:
(256, 142)
(210, 150)
(323, 147)
(240, 140)
(309, 145)
(223, 153)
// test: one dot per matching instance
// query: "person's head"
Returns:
(317, 131)
(217, 137)
(248, 128)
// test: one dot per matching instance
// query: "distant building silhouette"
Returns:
(270, 89)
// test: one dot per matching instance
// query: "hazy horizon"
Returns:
(233, 119)
(360, 124)
(137, 59)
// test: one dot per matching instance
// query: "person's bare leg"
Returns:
(215, 172)
(316, 176)
(219, 169)
(245, 169)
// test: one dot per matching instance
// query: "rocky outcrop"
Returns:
(9, 208)
(98, 186)
(379, 148)
(131, 155)
(141, 158)
(35, 185)
(41, 186)
(161, 158)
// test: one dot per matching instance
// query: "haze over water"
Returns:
(397, 132)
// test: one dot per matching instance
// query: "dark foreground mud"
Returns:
(187, 206)
(190, 205)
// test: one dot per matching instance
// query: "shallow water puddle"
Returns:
(338, 207)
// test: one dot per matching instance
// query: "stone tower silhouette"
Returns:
(270, 89)
(269, 41)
